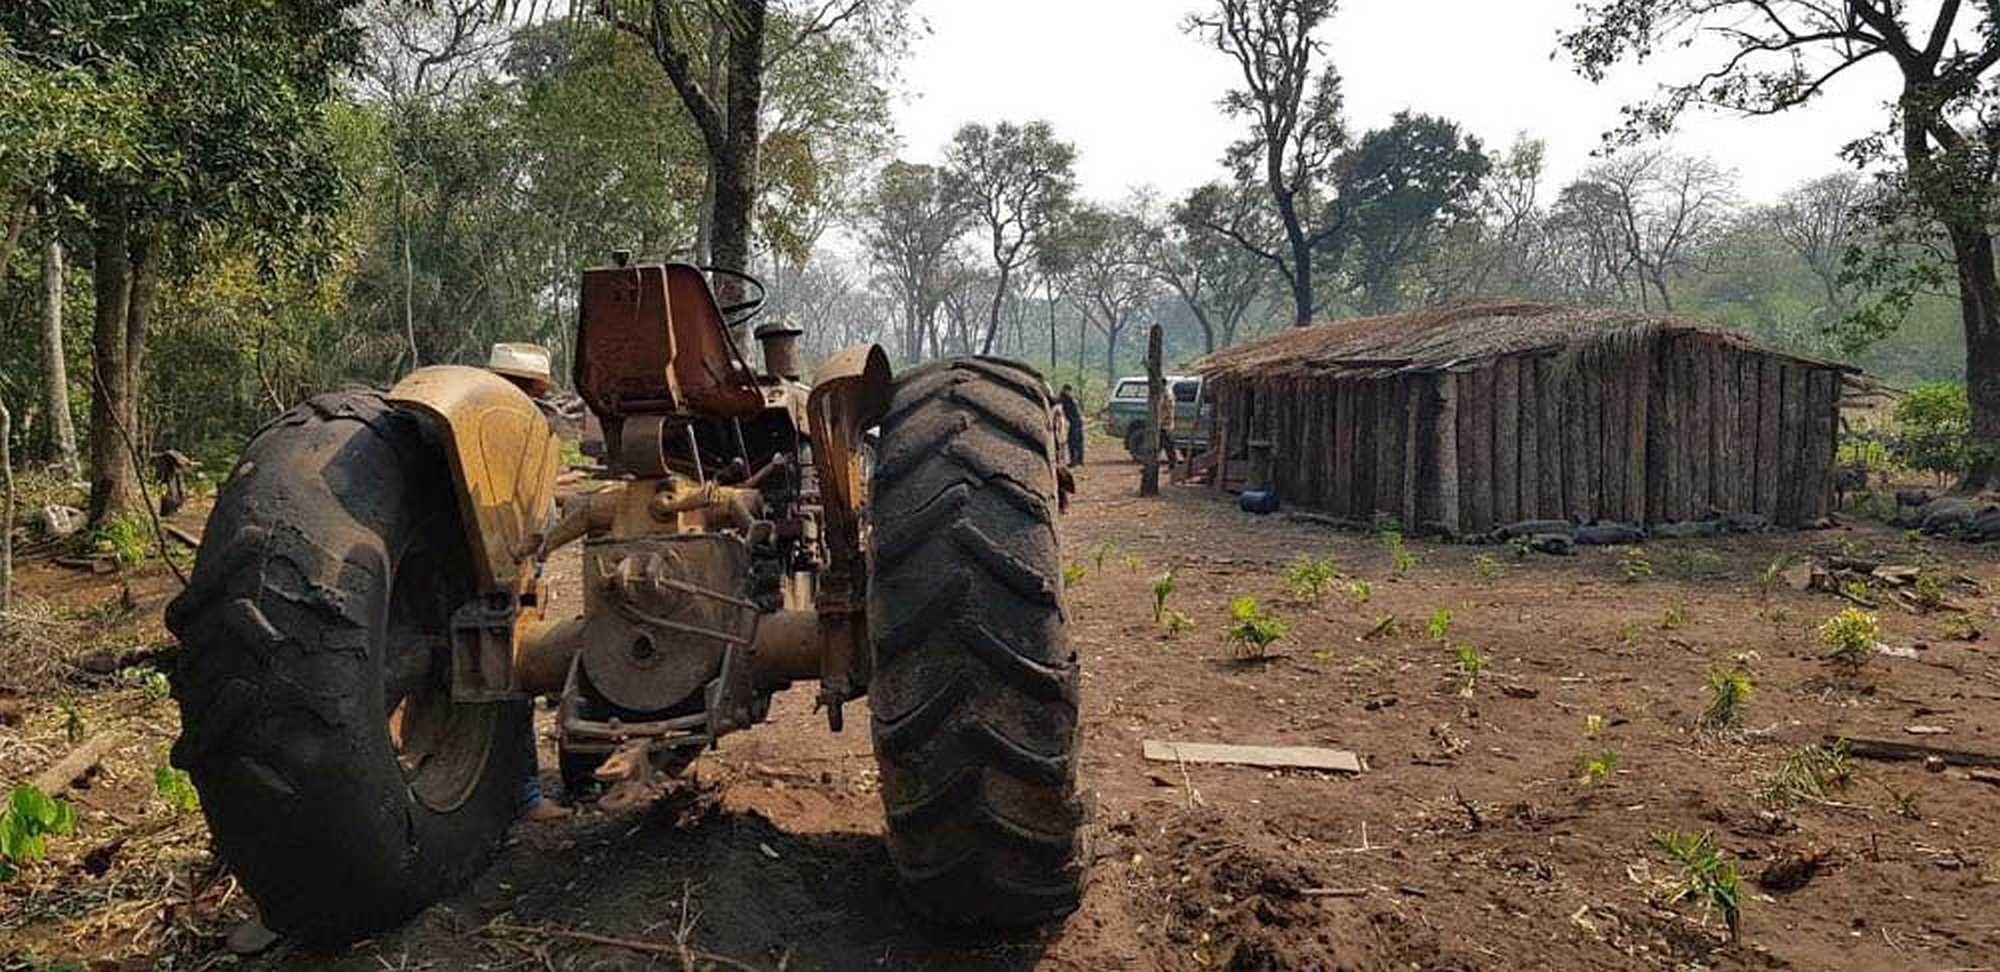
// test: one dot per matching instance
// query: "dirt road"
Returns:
(1476, 837)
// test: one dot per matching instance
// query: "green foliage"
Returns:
(1850, 637)
(1597, 768)
(1633, 565)
(1773, 574)
(1175, 623)
(1808, 773)
(1961, 627)
(1252, 629)
(1400, 557)
(1361, 589)
(1704, 876)
(127, 537)
(1470, 664)
(1073, 575)
(25, 825)
(1729, 689)
(1593, 726)
(1308, 579)
(1521, 547)
(1933, 429)
(150, 680)
(1487, 567)
(175, 788)
(1439, 626)
(1674, 617)
(1104, 549)
(1697, 563)
(1131, 563)
(72, 720)
(1388, 625)
(1163, 588)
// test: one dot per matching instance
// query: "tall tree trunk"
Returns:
(735, 167)
(1156, 393)
(6, 513)
(1979, 303)
(718, 81)
(114, 483)
(55, 368)
(993, 313)
(1051, 287)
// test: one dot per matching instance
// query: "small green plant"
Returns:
(1629, 631)
(1521, 547)
(1596, 768)
(1904, 802)
(1131, 563)
(1775, 614)
(1933, 430)
(1487, 567)
(1593, 726)
(1808, 773)
(1103, 550)
(152, 681)
(1471, 664)
(1961, 627)
(1772, 575)
(1163, 588)
(1675, 616)
(1309, 578)
(175, 788)
(1849, 638)
(1704, 876)
(1400, 556)
(1856, 590)
(26, 822)
(72, 718)
(1929, 591)
(1387, 626)
(1439, 626)
(1073, 575)
(1175, 622)
(1253, 629)
(124, 536)
(1700, 563)
(1728, 689)
(1361, 589)
(1633, 565)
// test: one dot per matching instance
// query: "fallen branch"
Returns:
(58, 778)
(629, 944)
(1895, 749)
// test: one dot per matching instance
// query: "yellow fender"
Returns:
(504, 458)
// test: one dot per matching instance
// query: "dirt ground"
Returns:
(1472, 839)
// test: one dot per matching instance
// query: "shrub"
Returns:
(125, 536)
(1253, 629)
(1728, 689)
(1308, 578)
(1361, 589)
(1849, 637)
(1595, 769)
(25, 823)
(1487, 567)
(1440, 624)
(1633, 565)
(1471, 664)
(1704, 876)
(176, 788)
(1933, 429)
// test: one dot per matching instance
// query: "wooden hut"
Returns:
(1464, 418)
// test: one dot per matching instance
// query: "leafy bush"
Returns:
(1440, 624)
(125, 536)
(1933, 429)
(1253, 629)
(25, 823)
(1849, 637)
(1728, 689)
(1308, 578)
(1471, 664)
(1487, 567)
(1704, 876)
(1361, 589)
(1597, 768)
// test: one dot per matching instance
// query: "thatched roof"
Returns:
(1455, 336)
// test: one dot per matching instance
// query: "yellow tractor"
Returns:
(368, 622)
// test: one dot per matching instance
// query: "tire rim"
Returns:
(441, 745)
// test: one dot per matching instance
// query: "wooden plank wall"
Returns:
(1686, 427)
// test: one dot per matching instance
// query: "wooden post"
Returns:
(1770, 408)
(1816, 477)
(1746, 431)
(1791, 443)
(1345, 423)
(1506, 439)
(1549, 428)
(1699, 447)
(1593, 439)
(1416, 404)
(1219, 422)
(1611, 435)
(1475, 480)
(1156, 403)
(1531, 440)
(1638, 367)
(1444, 447)
(1389, 411)
(1576, 449)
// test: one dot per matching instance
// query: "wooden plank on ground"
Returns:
(1295, 757)
(1896, 749)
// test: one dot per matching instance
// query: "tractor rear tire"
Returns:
(974, 691)
(341, 783)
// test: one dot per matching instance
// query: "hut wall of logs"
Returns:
(1661, 422)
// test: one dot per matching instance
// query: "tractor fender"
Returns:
(504, 459)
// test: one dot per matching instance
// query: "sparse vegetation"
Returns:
(1704, 876)
(1439, 626)
(1487, 567)
(125, 537)
(1593, 726)
(1633, 565)
(1400, 557)
(1470, 664)
(1596, 768)
(72, 720)
(1361, 589)
(1808, 773)
(175, 788)
(1073, 575)
(1105, 549)
(1176, 623)
(1850, 638)
(1252, 629)
(1772, 575)
(1308, 579)
(26, 823)
(1728, 690)
(1131, 563)
(1673, 617)
(1163, 588)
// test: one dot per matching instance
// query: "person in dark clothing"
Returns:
(1072, 414)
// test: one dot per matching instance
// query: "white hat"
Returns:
(520, 360)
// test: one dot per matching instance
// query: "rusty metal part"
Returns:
(642, 445)
(780, 342)
(651, 341)
(786, 649)
(851, 395)
(503, 458)
(661, 614)
(544, 653)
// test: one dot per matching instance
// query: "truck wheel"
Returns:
(1135, 443)
(974, 688)
(342, 784)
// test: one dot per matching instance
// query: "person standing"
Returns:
(1073, 415)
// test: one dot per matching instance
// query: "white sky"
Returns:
(1119, 79)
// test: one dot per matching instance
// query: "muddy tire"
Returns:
(341, 784)
(974, 691)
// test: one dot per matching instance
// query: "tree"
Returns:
(1108, 278)
(229, 137)
(1295, 126)
(1819, 220)
(1398, 189)
(1017, 181)
(1217, 279)
(910, 222)
(1939, 140)
(1654, 213)
(55, 367)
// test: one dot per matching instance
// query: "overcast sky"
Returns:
(1137, 96)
